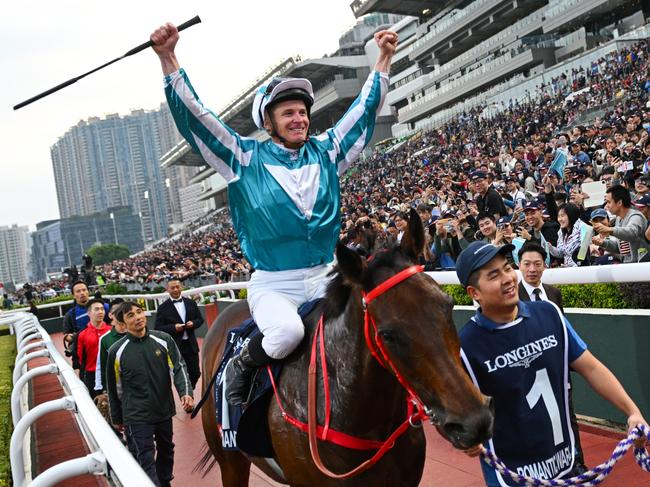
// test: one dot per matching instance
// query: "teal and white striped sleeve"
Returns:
(353, 132)
(221, 147)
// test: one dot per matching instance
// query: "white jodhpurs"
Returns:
(274, 298)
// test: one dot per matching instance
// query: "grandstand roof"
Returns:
(181, 155)
(416, 8)
(317, 71)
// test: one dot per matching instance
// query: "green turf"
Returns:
(7, 357)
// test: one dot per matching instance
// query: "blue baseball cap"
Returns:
(599, 213)
(475, 256)
(531, 205)
(504, 219)
(477, 175)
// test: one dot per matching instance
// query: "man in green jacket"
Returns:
(139, 373)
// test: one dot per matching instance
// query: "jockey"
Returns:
(283, 193)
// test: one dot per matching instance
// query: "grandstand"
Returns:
(453, 56)
(584, 74)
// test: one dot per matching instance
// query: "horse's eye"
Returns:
(387, 336)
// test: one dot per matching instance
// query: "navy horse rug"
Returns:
(245, 427)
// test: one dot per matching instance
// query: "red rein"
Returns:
(378, 351)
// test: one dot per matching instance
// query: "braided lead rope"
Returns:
(590, 478)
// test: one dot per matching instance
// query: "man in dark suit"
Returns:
(531, 264)
(179, 317)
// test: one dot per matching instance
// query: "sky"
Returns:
(46, 42)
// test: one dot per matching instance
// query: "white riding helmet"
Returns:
(281, 89)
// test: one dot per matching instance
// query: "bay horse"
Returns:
(420, 351)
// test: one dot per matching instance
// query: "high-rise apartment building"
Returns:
(58, 244)
(15, 250)
(114, 161)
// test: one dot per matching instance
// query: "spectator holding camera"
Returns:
(626, 237)
(643, 204)
(446, 240)
(597, 254)
(538, 230)
(504, 233)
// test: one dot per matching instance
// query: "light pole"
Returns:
(171, 201)
(112, 215)
(146, 197)
(141, 228)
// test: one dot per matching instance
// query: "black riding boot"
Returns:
(240, 369)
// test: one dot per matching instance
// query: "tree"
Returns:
(104, 253)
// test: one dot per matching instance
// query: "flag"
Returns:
(559, 162)
(586, 233)
(518, 242)
(544, 244)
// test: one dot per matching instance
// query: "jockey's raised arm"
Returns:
(284, 193)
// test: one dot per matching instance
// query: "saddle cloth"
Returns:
(246, 428)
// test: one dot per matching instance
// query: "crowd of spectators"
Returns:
(480, 178)
(477, 177)
(207, 248)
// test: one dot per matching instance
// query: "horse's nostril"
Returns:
(454, 430)
(471, 430)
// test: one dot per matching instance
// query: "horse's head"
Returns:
(415, 327)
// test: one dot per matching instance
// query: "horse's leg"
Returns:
(234, 466)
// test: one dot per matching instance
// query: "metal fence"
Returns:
(108, 457)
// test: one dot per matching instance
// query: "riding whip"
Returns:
(135, 50)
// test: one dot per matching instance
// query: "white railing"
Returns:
(108, 457)
(154, 299)
(639, 272)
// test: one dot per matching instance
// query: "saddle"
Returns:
(245, 427)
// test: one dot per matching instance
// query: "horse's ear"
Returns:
(413, 240)
(351, 265)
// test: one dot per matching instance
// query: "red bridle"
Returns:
(378, 351)
(375, 343)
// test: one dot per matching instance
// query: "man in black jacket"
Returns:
(179, 317)
(531, 264)
(488, 199)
